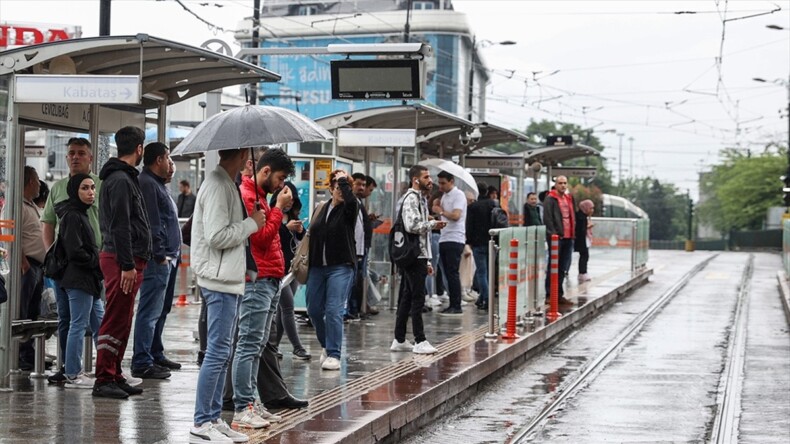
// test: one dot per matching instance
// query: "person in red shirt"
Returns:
(559, 217)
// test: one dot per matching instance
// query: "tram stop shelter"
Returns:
(94, 85)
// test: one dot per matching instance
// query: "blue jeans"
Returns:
(149, 309)
(221, 318)
(157, 348)
(64, 319)
(450, 257)
(257, 309)
(81, 306)
(433, 286)
(481, 273)
(565, 259)
(327, 290)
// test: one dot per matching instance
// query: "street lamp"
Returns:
(475, 45)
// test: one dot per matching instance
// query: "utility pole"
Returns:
(620, 162)
(471, 78)
(689, 234)
(256, 24)
(104, 17)
(631, 158)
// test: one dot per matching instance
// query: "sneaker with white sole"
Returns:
(207, 434)
(323, 356)
(424, 348)
(331, 364)
(265, 414)
(404, 346)
(248, 419)
(434, 300)
(81, 381)
(222, 427)
(131, 380)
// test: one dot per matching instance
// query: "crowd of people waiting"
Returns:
(99, 240)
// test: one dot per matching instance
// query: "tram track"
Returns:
(527, 432)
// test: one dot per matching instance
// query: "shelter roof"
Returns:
(437, 131)
(552, 155)
(170, 71)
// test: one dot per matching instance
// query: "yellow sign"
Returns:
(323, 167)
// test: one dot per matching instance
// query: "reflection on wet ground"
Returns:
(373, 384)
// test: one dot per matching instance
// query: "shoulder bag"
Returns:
(301, 261)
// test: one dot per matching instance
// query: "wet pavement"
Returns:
(375, 393)
(663, 385)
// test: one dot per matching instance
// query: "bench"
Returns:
(39, 331)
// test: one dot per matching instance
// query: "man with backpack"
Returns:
(482, 216)
(414, 221)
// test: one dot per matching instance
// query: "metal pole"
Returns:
(471, 78)
(104, 17)
(14, 166)
(364, 308)
(395, 185)
(633, 246)
(161, 122)
(256, 21)
(631, 157)
(93, 131)
(492, 284)
(620, 162)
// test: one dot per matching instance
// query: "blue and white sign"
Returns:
(94, 89)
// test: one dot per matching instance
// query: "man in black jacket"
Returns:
(126, 250)
(186, 200)
(478, 223)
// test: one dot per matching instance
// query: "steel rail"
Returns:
(526, 432)
(728, 400)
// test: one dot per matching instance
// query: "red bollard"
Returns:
(554, 296)
(512, 292)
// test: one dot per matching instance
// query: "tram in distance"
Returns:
(616, 206)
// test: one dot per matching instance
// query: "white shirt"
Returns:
(455, 231)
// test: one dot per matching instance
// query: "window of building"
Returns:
(423, 5)
(307, 10)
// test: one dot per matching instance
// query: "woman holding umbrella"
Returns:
(332, 258)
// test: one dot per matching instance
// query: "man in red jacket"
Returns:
(259, 302)
(559, 210)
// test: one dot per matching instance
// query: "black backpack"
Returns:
(499, 218)
(404, 246)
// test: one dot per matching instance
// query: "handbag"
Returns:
(404, 246)
(55, 261)
(301, 261)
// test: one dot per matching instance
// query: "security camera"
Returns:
(463, 138)
(202, 104)
(475, 135)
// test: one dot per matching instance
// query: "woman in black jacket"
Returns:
(332, 261)
(291, 233)
(583, 237)
(82, 277)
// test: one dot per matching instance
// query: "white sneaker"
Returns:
(222, 427)
(404, 346)
(323, 356)
(424, 348)
(584, 278)
(131, 380)
(265, 414)
(434, 300)
(207, 434)
(248, 419)
(444, 297)
(81, 381)
(469, 296)
(331, 364)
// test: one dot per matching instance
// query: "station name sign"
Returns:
(381, 137)
(387, 79)
(587, 172)
(488, 162)
(93, 89)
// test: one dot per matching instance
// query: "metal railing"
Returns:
(631, 235)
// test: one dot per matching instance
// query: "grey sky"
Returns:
(634, 67)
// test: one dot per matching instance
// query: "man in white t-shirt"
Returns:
(452, 210)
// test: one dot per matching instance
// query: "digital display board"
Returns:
(377, 79)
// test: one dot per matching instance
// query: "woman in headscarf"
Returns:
(583, 237)
(291, 233)
(82, 278)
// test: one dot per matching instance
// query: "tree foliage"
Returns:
(536, 132)
(736, 194)
(664, 203)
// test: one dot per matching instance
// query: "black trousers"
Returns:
(584, 257)
(411, 299)
(450, 257)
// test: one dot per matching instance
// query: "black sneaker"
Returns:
(109, 390)
(168, 364)
(301, 354)
(58, 378)
(152, 372)
(129, 389)
(450, 311)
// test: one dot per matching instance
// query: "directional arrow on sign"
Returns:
(126, 93)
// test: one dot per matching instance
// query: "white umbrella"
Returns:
(251, 126)
(463, 179)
